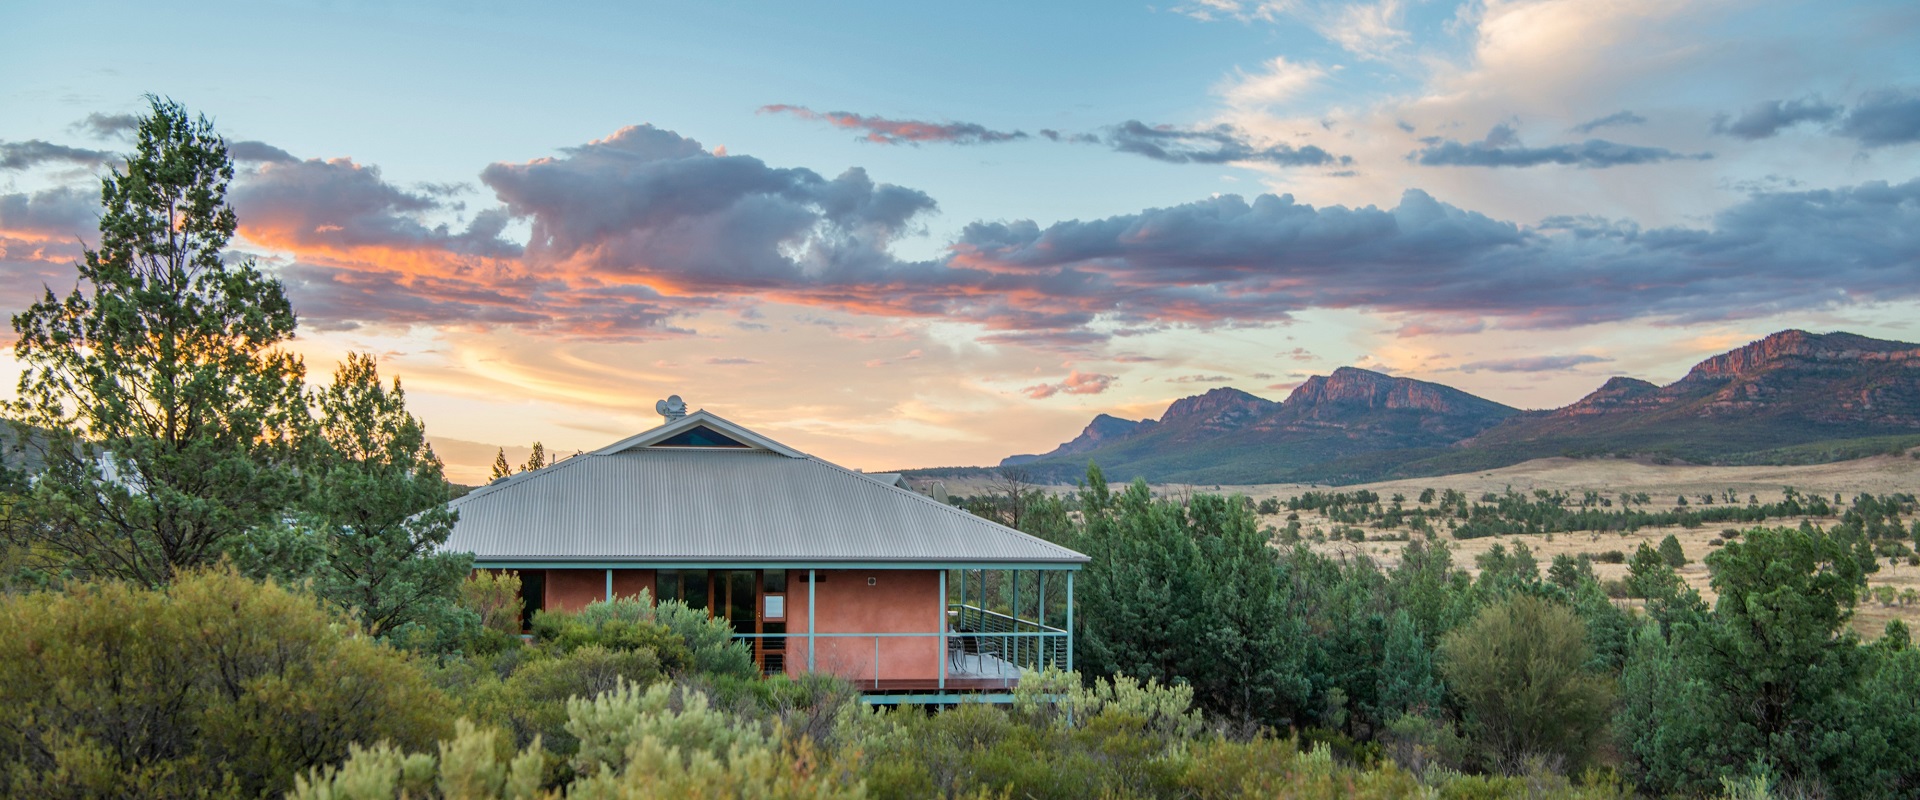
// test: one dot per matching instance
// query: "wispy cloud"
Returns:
(881, 130)
(1502, 148)
(1616, 118)
(1076, 382)
(1219, 144)
(1534, 363)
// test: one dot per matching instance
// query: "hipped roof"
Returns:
(641, 502)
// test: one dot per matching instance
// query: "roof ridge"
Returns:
(1001, 529)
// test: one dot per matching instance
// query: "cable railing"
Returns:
(1020, 643)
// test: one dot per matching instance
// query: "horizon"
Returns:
(885, 249)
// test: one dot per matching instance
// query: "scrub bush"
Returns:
(216, 686)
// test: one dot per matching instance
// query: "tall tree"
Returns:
(536, 460)
(172, 406)
(501, 468)
(376, 492)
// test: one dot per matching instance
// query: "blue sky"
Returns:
(1026, 213)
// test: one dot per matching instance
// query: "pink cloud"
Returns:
(1076, 382)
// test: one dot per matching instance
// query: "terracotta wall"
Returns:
(630, 582)
(898, 601)
(573, 589)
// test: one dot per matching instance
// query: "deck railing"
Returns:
(1023, 643)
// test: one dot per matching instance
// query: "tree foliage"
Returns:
(172, 408)
(376, 497)
(1522, 672)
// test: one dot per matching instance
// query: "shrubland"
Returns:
(220, 583)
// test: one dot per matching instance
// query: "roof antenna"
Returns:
(672, 408)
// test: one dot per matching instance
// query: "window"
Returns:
(685, 585)
(699, 436)
(533, 595)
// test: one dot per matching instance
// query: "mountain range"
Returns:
(1792, 397)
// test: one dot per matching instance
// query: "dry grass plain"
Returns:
(1610, 477)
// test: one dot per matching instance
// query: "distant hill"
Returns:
(1793, 397)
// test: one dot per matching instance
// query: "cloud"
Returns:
(1534, 363)
(1766, 120)
(64, 213)
(34, 152)
(1883, 118)
(341, 207)
(249, 151)
(732, 361)
(107, 126)
(1616, 118)
(1200, 379)
(1229, 259)
(1076, 382)
(1502, 148)
(1368, 30)
(1278, 81)
(881, 130)
(630, 232)
(1220, 144)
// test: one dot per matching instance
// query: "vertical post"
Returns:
(1041, 617)
(876, 663)
(1013, 610)
(609, 585)
(1069, 620)
(812, 612)
(942, 655)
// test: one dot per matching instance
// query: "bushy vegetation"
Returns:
(216, 686)
(219, 583)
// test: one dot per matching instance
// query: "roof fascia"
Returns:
(511, 563)
(693, 420)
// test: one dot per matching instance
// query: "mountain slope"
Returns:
(1230, 436)
(1790, 397)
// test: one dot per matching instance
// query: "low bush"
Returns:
(214, 687)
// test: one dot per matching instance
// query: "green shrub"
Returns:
(216, 686)
(1521, 672)
(660, 742)
(686, 639)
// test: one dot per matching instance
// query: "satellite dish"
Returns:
(671, 408)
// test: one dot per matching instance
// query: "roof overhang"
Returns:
(601, 563)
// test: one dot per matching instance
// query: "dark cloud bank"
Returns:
(632, 231)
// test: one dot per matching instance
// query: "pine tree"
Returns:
(377, 496)
(172, 407)
(501, 468)
(536, 460)
(1671, 552)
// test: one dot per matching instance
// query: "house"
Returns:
(818, 567)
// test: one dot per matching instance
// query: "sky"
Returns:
(913, 235)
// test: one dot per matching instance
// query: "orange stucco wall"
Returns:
(573, 589)
(630, 582)
(899, 601)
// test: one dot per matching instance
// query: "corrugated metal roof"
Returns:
(718, 505)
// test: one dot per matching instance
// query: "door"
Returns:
(753, 602)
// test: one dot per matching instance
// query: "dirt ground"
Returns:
(1878, 475)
